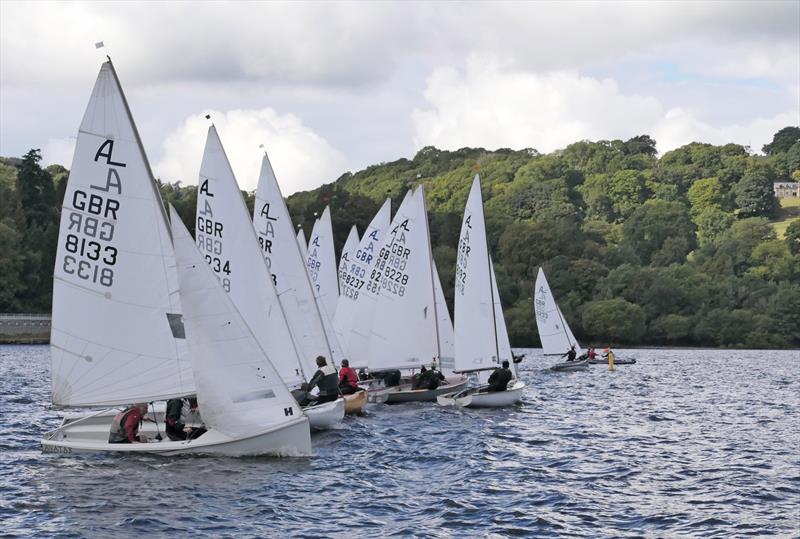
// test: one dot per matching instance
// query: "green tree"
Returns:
(792, 237)
(614, 320)
(755, 195)
(660, 231)
(782, 140)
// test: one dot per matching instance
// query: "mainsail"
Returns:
(321, 266)
(554, 332)
(477, 344)
(353, 318)
(226, 237)
(405, 328)
(285, 260)
(241, 393)
(116, 332)
(447, 337)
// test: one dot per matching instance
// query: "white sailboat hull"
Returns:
(291, 439)
(569, 366)
(325, 415)
(404, 393)
(479, 398)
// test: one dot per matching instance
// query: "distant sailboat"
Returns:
(554, 332)
(117, 333)
(481, 339)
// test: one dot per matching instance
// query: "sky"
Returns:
(332, 87)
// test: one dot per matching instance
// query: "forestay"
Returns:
(226, 237)
(353, 319)
(241, 393)
(405, 327)
(285, 261)
(476, 344)
(321, 266)
(116, 332)
(348, 254)
(554, 332)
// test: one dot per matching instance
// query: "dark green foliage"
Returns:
(782, 140)
(754, 193)
(637, 249)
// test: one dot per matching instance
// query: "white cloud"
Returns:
(58, 151)
(302, 159)
(494, 105)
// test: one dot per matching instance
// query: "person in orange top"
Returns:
(348, 379)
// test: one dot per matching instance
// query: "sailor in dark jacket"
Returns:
(327, 379)
(500, 378)
(177, 410)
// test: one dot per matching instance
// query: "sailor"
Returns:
(348, 380)
(499, 379)
(327, 380)
(417, 379)
(570, 353)
(178, 410)
(302, 396)
(125, 426)
(592, 353)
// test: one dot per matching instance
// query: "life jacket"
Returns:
(329, 383)
(117, 433)
(347, 377)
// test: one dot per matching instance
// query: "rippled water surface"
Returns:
(684, 443)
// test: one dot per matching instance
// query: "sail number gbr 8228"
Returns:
(91, 219)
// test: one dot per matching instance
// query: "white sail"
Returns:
(322, 263)
(321, 266)
(503, 342)
(226, 237)
(240, 392)
(353, 318)
(554, 331)
(447, 337)
(286, 263)
(116, 331)
(348, 254)
(301, 243)
(405, 326)
(475, 325)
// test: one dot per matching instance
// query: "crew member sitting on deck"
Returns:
(592, 353)
(125, 426)
(302, 396)
(348, 380)
(327, 380)
(499, 379)
(177, 411)
(570, 353)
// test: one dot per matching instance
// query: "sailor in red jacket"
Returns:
(348, 379)
(125, 426)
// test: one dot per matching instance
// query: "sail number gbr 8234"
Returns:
(91, 220)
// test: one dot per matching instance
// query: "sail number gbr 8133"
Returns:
(91, 219)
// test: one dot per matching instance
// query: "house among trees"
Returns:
(787, 189)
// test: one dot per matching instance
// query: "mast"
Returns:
(430, 271)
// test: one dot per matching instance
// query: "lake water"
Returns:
(684, 443)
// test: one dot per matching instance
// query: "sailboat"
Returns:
(554, 332)
(353, 318)
(406, 325)
(227, 239)
(481, 339)
(118, 335)
(286, 265)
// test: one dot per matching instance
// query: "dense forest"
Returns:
(690, 248)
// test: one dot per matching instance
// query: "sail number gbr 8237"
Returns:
(91, 219)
